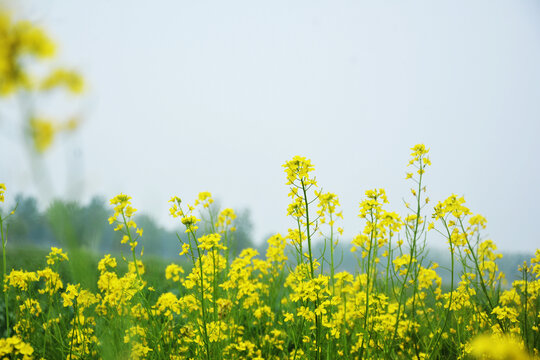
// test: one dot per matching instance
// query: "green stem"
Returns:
(203, 307)
(317, 321)
(4, 268)
(412, 255)
(301, 260)
(369, 269)
(75, 326)
(482, 282)
(447, 315)
(526, 326)
(332, 270)
(304, 190)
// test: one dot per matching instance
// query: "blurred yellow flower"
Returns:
(497, 347)
(72, 80)
(42, 132)
(2, 192)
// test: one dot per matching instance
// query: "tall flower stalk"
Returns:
(3, 234)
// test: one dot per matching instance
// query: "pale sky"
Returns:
(190, 96)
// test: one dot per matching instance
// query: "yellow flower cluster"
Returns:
(276, 251)
(19, 40)
(495, 347)
(210, 242)
(21, 44)
(327, 209)
(62, 77)
(393, 306)
(43, 131)
(14, 346)
(419, 158)
(173, 272)
(188, 220)
(225, 219)
(20, 279)
(204, 199)
(122, 218)
(298, 170)
(106, 263)
(56, 255)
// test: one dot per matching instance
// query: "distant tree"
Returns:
(28, 225)
(151, 240)
(243, 236)
(96, 228)
(78, 227)
(67, 222)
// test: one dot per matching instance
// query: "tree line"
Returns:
(85, 226)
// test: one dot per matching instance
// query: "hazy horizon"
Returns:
(211, 96)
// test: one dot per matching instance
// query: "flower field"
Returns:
(292, 302)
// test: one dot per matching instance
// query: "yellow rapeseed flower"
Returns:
(497, 347)
(298, 169)
(72, 80)
(43, 132)
(56, 255)
(18, 41)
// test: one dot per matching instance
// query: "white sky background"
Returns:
(190, 96)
